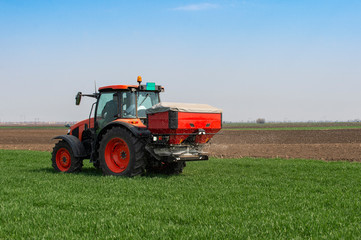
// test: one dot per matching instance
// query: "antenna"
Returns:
(95, 86)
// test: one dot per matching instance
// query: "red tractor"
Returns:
(132, 132)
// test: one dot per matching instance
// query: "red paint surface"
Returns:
(134, 121)
(158, 123)
(63, 159)
(116, 87)
(119, 87)
(117, 155)
(81, 126)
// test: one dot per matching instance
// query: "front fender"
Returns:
(75, 144)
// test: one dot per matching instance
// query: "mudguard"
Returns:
(138, 132)
(75, 144)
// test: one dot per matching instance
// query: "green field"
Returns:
(217, 199)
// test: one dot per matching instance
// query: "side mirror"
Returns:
(78, 98)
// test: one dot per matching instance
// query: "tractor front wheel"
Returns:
(63, 159)
(121, 153)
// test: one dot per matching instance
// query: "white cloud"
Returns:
(197, 7)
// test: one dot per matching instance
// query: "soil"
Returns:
(307, 144)
(29, 139)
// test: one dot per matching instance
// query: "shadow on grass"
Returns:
(98, 172)
(91, 172)
(161, 175)
(42, 170)
(85, 171)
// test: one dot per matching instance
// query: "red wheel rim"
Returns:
(117, 155)
(63, 159)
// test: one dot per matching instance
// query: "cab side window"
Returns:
(107, 108)
(128, 105)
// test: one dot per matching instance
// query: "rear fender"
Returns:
(138, 132)
(75, 144)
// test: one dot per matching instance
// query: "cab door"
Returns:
(107, 109)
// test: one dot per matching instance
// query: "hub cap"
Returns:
(117, 155)
(63, 159)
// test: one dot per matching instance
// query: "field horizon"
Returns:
(324, 141)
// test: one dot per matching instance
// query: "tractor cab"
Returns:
(125, 102)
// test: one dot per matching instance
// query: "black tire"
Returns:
(96, 164)
(174, 167)
(63, 159)
(121, 153)
(168, 168)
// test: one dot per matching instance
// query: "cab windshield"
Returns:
(145, 100)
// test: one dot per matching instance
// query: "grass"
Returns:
(217, 199)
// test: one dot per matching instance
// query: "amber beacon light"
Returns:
(139, 80)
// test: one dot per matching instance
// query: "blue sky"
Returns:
(279, 60)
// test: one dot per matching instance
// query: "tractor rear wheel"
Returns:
(96, 164)
(121, 153)
(63, 159)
